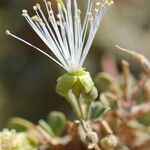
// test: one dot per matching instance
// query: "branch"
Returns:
(126, 71)
(134, 113)
(142, 59)
(139, 110)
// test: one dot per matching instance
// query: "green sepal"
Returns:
(91, 96)
(86, 82)
(78, 82)
(98, 110)
(64, 84)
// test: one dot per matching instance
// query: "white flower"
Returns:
(8, 140)
(66, 35)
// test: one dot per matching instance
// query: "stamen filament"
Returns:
(66, 35)
(18, 38)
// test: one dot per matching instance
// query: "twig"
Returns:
(88, 129)
(106, 126)
(80, 109)
(53, 141)
(139, 110)
(143, 60)
(135, 112)
(126, 71)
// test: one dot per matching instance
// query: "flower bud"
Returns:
(91, 96)
(11, 140)
(92, 137)
(8, 140)
(79, 82)
(110, 141)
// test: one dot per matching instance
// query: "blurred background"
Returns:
(28, 78)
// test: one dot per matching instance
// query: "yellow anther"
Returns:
(79, 11)
(38, 5)
(61, 4)
(109, 2)
(24, 11)
(98, 3)
(49, 4)
(51, 12)
(7, 32)
(35, 18)
(96, 10)
(34, 8)
(58, 16)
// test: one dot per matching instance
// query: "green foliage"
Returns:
(98, 110)
(145, 120)
(57, 122)
(46, 127)
(109, 100)
(20, 124)
(104, 82)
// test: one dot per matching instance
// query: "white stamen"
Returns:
(18, 38)
(66, 35)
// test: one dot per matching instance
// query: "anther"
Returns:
(35, 8)
(49, 4)
(35, 18)
(7, 32)
(98, 3)
(96, 10)
(24, 11)
(58, 16)
(79, 11)
(58, 23)
(38, 5)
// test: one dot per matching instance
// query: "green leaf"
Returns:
(145, 119)
(46, 127)
(109, 99)
(57, 122)
(20, 124)
(106, 83)
(98, 110)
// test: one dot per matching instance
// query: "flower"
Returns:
(8, 140)
(11, 140)
(66, 34)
